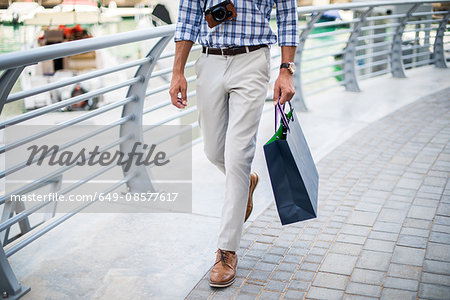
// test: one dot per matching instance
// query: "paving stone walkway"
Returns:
(383, 229)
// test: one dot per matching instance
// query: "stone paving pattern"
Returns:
(383, 230)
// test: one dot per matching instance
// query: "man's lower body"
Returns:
(231, 91)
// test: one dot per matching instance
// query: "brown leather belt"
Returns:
(232, 51)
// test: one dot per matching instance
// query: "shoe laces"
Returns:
(224, 255)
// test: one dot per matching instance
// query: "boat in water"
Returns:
(20, 12)
(74, 12)
(63, 68)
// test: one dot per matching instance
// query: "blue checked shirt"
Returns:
(250, 27)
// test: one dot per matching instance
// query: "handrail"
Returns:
(349, 6)
(35, 55)
(75, 79)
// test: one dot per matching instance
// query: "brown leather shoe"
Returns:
(223, 272)
(253, 183)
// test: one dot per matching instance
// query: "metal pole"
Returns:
(10, 288)
(141, 182)
(439, 57)
(426, 40)
(397, 68)
(38, 54)
(350, 80)
(7, 81)
(299, 99)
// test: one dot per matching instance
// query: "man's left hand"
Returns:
(284, 87)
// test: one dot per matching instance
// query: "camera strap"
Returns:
(204, 6)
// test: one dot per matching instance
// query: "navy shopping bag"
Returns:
(292, 171)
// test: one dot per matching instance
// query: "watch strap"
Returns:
(288, 65)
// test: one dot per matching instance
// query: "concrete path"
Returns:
(163, 256)
(383, 229)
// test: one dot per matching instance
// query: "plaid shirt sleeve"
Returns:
(189, 19)
(288, 34)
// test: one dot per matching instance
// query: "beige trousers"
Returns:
(230, 96)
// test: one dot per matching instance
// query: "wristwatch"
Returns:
(289, 65)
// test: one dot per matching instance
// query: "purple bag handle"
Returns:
(279, 109)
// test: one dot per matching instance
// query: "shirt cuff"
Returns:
(288, 43)
(186, 32)
(290, 37)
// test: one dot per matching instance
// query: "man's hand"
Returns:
(178, 85)
(178, 90)
(284, 87)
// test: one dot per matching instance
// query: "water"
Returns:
(18, 38)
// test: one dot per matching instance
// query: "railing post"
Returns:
(7, 81)
(439, 57)
(8, 211)
(397, 68)
(140, 182)
(10, 288)
(299, 99)
(348, 66)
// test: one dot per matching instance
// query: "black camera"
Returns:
(219, 13)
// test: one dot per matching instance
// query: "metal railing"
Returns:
(381, 37)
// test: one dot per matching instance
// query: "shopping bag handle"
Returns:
(279, 109)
